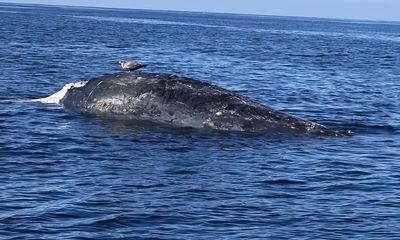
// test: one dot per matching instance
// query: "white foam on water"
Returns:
(152, 21)
(7, 11)
(378, 36)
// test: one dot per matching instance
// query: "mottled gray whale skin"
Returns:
(180, 102)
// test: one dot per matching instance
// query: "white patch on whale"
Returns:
(56, 97)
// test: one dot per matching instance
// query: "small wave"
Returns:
(277, 195)
(160, 22)
(146, 186)
(365, 128)
(378, 36)
(23, 100)
(144, 21)
(283, 181)
(356, 173)
(16, 7)
(354, 35)
(178, 149)
(6, 11)
(183, 171)
(118, 46)
(12, 101)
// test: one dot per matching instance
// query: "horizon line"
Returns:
(211, 12)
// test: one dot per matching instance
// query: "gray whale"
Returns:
(180, 102)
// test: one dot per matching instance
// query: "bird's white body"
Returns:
(131, 65)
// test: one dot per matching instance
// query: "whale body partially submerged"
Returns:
(179, 102)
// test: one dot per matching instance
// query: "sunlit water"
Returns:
(68, 176)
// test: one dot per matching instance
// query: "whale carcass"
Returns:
(180, 102)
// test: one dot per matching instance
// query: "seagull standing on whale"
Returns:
(131, 65)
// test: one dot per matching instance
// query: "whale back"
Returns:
(179, 101)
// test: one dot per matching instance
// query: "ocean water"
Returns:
(68, 176)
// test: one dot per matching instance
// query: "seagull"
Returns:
(131, 65)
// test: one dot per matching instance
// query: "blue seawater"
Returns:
(68, 176)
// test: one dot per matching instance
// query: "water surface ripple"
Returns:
(68, 176)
